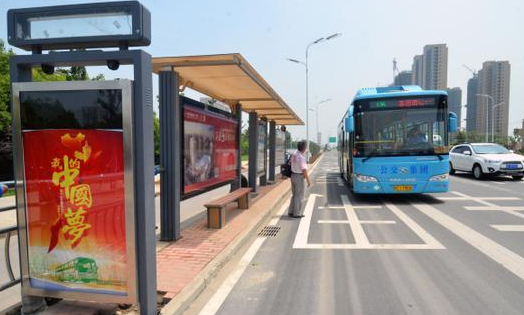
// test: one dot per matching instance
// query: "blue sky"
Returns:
(374, 32)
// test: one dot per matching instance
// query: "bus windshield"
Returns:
(413, 131)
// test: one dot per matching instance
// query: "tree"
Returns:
(5, 116)
(61, 74)
(156, 137)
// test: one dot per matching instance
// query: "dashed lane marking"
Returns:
(508, 227)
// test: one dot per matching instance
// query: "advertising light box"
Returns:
(210, 150)
(77, 189)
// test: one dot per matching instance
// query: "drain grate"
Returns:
(269, 231)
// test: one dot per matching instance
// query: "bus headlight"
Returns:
(439, 178)
(365, 178)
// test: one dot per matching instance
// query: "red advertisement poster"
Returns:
(74, 186)
(210, 149)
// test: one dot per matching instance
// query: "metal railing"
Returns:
(7, 232)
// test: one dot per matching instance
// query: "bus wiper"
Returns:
(372, 154)
(431, 152)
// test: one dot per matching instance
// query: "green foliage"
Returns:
(156, 137)
(5, 117)
(244, 143)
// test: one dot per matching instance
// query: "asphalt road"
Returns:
(460, 252)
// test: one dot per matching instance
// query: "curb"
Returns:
(190, 292)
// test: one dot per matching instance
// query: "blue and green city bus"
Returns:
(395, 140)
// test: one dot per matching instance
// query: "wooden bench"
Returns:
(216, 214)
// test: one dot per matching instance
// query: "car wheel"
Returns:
(451, 169)
(477, 172)
(518, 177)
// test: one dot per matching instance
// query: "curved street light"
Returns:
(306, 65)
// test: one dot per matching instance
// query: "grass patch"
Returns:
(244, 157)
(9, 192)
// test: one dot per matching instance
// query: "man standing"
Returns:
(299, 173)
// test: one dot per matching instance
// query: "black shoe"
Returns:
(299, 216)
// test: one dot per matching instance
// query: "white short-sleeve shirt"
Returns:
(298, 162)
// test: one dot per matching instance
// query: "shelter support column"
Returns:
(272, 150)
(238, 115)
(253, 146)
(170, 139)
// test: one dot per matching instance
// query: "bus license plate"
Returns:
(403, 188)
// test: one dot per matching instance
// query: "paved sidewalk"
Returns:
(180, 264)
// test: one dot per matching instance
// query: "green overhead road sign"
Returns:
(332, 139)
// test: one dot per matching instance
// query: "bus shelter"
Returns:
(228, 78)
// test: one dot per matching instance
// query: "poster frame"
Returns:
(129, 183)
(196, 105)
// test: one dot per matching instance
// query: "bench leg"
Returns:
(216, 217)
(243, 202)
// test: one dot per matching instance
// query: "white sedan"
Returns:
(486, 159)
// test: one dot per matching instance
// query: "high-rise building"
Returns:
(494, 79)
(403, 78)
(455, 103)
(471, 104)
(435, 67)
(416, 71)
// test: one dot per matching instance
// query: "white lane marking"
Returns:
(223, 291)
(508, 227)
(495, 208)
(331, 207)
(370, 246)
(479, 198)
(423, 234)
(305, 222)
(378, 222)
(492, 206)
(490, 248)
(361, 222)
(356, 228)
(354, 207)
(499, 183)
(367, 207)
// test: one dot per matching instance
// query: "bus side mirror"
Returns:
(452, 123)
(349, 124)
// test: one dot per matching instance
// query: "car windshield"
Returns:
(489, 149)
(400, 132)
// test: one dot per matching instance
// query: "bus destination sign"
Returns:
(402, 103)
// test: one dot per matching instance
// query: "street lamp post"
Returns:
(305, 64)
(487, 113)
(316, 110)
